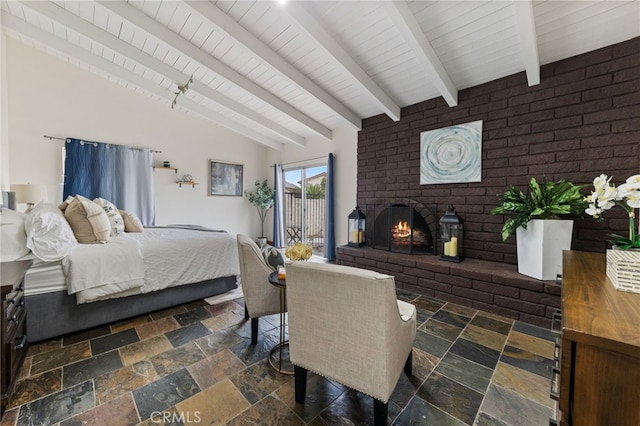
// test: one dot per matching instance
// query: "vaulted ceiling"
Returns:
(282, 73)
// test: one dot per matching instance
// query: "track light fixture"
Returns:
(181, 89)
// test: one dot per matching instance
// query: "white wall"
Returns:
(47, 96)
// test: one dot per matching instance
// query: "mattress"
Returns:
(43, 277)
(172, 257)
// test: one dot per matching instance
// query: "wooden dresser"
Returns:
(13, 331)
(600, 346)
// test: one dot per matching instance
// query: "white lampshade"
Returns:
(29, 193)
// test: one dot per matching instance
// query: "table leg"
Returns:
(282, 343)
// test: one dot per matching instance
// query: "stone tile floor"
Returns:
(193, 364)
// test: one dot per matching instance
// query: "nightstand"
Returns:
(13, 330)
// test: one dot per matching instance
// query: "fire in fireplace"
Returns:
(402, 228)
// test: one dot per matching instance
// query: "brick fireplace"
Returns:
(402, 227)
(581, 121)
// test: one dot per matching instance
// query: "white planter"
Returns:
(262, 241)
(540, 247)
(623, 269)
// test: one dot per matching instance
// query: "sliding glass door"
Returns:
(304, 206)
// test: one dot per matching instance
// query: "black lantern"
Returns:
(451, 236)
(356, 228)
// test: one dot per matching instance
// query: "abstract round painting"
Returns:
(452, 154)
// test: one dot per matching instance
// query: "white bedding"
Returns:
(118, 262)
(170, 257)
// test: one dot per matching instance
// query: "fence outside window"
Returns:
(313, 220)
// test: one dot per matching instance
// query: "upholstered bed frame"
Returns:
(55, 314)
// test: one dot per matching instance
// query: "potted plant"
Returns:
(623, 259)
(540, 235)
(262, 197)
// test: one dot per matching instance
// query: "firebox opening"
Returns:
(400, 228)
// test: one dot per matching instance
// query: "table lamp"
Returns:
(29, 194)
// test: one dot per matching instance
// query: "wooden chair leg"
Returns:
(300, 382)
(408, 365)
(254, 331)
(380, 412)
(246, 312)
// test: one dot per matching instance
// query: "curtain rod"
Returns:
(130, 147)
(306, 161)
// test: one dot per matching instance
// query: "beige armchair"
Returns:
(347, 325)
(260, 297)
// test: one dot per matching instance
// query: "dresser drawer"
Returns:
(14, 322)
(13, 326)
(14, 349)
(13, 303)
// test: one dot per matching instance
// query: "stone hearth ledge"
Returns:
(488, 286)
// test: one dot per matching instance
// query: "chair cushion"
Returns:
(272, 256)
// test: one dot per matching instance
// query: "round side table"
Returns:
(282, 286)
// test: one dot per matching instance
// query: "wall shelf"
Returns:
(175, 169)
(192, 183)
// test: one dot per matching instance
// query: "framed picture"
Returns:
(225, 178)
(452, 154)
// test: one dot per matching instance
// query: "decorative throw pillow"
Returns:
(131, 222)
(63, 206)
(115, 218)
(89, 222)
(49, 235)
(13, 238)
(272, 256)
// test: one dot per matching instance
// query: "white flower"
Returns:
(633, 199)
(592, 210)
(635, 179)
(601, 181)
(627, 196)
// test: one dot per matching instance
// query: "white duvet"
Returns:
(155, 259)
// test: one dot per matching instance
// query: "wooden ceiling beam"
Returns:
(165, 35)
(410, 29)
(349, 66)
(44, 38)
(526, 25)
(225, 24)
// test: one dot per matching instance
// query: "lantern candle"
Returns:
(453, 246)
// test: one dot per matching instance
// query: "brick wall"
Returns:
(581, 121)
(488, 286)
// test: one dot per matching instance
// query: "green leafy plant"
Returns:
(263, 198)
(545, 200)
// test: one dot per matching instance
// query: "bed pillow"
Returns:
(131, 222)
(88, 220)
(272, 256)
(63, 206)
(13, 238)
(115, 218)
(49, 235)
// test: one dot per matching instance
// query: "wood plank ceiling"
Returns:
(281, 73)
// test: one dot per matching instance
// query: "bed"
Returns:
(90, 286)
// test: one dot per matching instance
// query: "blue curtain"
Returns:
(330, 234)
(278, 208)
(117, 173)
